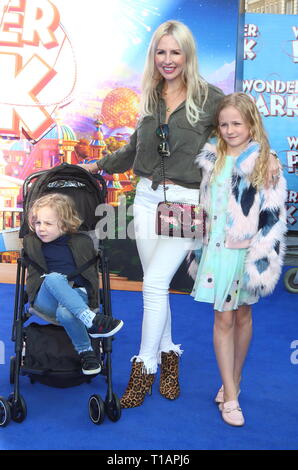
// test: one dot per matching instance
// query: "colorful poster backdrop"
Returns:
(70, 74)
(270, 77)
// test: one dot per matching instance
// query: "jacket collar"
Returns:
(162, 101)
(245, 162)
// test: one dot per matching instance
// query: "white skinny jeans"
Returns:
(160, 258)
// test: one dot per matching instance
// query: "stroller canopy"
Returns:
(86, 190)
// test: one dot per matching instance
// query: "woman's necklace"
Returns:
(173, 99)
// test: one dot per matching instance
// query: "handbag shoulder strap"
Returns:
(162, 159)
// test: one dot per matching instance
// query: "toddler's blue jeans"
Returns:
(56, 298)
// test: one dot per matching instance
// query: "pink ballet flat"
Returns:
(220, 395)
(232, 413)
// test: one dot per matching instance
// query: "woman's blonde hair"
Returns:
(68, 218)
(250, 114)
(197, 87)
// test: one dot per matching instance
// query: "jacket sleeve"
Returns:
(122, 159)
(266, 252)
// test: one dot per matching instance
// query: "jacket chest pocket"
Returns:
(146, 135)
(190, 139)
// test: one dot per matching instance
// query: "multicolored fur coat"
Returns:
(256, 219)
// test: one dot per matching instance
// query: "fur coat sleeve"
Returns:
(266, 252)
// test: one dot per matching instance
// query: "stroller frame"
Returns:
(15, 406)
(291, 276)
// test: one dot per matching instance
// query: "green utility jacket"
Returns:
(185, 142)
(83, 250)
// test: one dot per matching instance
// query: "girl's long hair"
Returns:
(250, 114)
(69, 220)
(196, 86)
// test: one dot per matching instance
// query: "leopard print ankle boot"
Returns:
(139, 384)
(169, 381)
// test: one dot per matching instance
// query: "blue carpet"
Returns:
(58, 418)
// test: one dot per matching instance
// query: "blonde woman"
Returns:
(244, 249)
(55, 245)
(177, 117)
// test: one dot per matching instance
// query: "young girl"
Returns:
(58, 248)
(244, 245)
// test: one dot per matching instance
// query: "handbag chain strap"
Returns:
(162, 164)
(162, 161)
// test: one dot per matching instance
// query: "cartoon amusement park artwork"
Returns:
(70, 75)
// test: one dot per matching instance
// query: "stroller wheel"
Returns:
(18, 408)
(290, 280)
(5, 414)
(96, 409)
(113, 408)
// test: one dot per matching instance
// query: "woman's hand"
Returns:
(91, 167)
(274, 169)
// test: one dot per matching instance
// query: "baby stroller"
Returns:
(87, 191)
(291, 276)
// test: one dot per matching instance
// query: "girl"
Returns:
(245, 237)
(56, 246)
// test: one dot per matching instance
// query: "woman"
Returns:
(173, 93)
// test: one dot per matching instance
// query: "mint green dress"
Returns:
(221, 269)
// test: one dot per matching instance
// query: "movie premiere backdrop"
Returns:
(70, 74)
(270, 77)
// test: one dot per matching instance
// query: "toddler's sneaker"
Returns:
(90, 363)
(104, 326)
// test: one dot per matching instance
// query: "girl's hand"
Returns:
(91, 167)
(274, 169)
